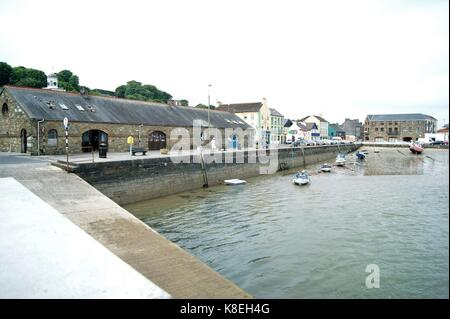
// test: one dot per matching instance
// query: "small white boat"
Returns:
(325, 167)
(301, 178)
(234, 181)
(340, 160)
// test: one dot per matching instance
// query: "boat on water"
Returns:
(416, 148)
(340, 160)
(325, 167)
(234, 181)
(301, 178)
(360, 155)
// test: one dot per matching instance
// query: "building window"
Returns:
(382, 129)
(376, 129)
(52, 138)
(5, 109)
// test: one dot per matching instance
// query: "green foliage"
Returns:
(203, 106)
(5, 73)
(68, 81)
(184, 102)
(102, 92)
(22, 76)
(134, 90)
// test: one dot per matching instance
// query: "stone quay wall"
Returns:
(141, 179)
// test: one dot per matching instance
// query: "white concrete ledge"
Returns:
(44, 255)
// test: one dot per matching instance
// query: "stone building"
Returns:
(398, 127)
(353, 128)
(31, 121)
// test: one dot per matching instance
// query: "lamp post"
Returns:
(209, 103)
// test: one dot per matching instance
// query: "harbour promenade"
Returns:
(164, 263)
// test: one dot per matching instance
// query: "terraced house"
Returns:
(31, 121)
(256, 114)
(276, 127)
(398, 127)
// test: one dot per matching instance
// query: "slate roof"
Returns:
(321, 119)
(240, 107)
(274, 112)
(399, 117)
(35, 103)
(287, 123)
(311, 126)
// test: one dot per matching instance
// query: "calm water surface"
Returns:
(278, 240)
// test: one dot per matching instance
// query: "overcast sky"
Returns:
(335, 58)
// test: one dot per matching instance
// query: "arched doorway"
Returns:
(407, 139)
(23, 140)
(156, 140)
(234, 141)
(90, 140)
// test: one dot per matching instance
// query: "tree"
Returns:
(137, 91)
(22, 76)
(120, 91)
(203, 106)
(68, 81)
(184, 102)
(5, 73)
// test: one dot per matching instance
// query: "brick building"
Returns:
(95, 119)
(398, 127)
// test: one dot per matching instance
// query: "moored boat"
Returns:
(301, 178)
(325, 167)
(234, 181)
(360, 155)
(416, 148)
(340, 160)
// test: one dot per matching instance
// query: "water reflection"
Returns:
(275, 239)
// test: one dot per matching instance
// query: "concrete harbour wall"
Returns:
(146, 178)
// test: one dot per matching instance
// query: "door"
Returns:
(91, 139)
(23, 141)
(156, 140)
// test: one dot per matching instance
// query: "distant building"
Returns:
(398, 127)
(276, 127)
(444, 132)
(255, 114)
(295, 131)
(52, 83)
(321, 123)
(353, 128)
(312, 131)
(335, 130)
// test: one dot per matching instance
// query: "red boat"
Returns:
(416, 148)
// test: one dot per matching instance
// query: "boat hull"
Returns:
(300, 181)
(415, 149)
(234, 182)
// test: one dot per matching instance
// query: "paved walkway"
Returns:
(44, 255)
(161, 261)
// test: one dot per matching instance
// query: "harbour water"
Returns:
(278, 240)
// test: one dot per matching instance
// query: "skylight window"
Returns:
(90, 108)
(79, 107)
(51, 105)
(63, 106)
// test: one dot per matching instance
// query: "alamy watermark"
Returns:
(373, 279)
(234, 145)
